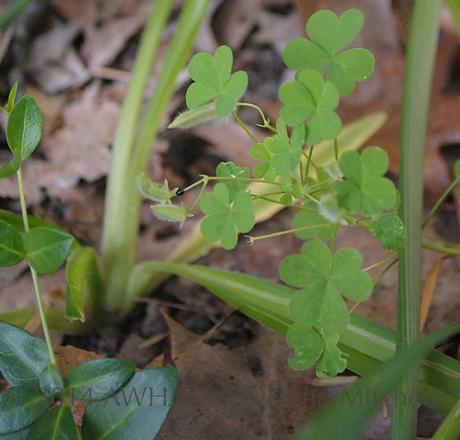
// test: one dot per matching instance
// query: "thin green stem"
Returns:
(336, 149)
(309, 161)
(385, 270)
(266, 121)
(440, 200)
(423, 38)
(449, 250)
(244, 127)
(378, 263)
(253, 238)
(36, 284)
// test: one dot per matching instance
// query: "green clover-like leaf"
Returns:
(308, 346)
(261, 151)
(325, 278)
(310, 100)
(213, 80)
(315, 225)
(332, 360)
(230, 170)
(324, 51)
(225, 218)
(364, 189)
(389, 230)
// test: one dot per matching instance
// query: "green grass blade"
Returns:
(417, 88)
(454, 6)
(450, 427)
(350, 412)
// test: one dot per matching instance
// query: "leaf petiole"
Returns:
(244, 127)
(36, 284)
(266, 122)
(252, 238)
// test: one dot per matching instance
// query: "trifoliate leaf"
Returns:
(316, 226)
(286, 151)
(213, 80)
(364, 189)
(230, 170)
(332, 361)
(389, 230)
(224, 218)
(311, 100)
(261, 151)
(158, 192)
(308, 346)
(325, 278)
(329, 35)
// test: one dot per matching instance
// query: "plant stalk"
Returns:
(423, 38)
(121, 240)
(115, 213)
(38, 297)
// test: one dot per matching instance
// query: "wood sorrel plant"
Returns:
(328, 189)
(351, 191)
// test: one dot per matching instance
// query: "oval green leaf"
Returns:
(22, 356)
(11, 247)
(57, 424)
(137, 411)
(97, 379)
(24, 127)
(47, 248)
(21, 406)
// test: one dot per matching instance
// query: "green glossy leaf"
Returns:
(51, 382)
(312, 101)
(225, 218)
(11, 247)
(352, 410)
(57, 424)
(15, 220)
(389, 230)
(230, 170)
(84, 283)
(20, 406)
(329, 35)
(22, 356)
(364, 189)
(213, 81)
(47, 248)
(24, 127)
(16, 435)
(325, 278)
(197, 116)
(97, 379)
(137, 411)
